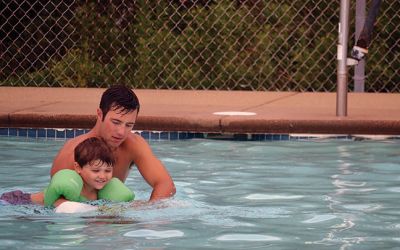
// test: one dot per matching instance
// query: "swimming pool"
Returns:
(322, 194)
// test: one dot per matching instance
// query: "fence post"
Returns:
(359, 69)
(341, 94)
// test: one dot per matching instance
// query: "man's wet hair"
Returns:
(119, 97)
(93, 149)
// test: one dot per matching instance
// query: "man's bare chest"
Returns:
(122, 167)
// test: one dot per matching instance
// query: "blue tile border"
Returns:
(13, 132)
(23, 132)
(63, 134)
(50, 133)
(4, 132)
(41, 132)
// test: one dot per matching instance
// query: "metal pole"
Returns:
(359, 69)
(341, 95)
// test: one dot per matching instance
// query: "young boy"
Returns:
(91, 180)
(94, 162)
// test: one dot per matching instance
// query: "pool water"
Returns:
(326, 194)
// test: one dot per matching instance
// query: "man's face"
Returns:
(116, 126)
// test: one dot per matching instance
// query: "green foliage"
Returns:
(157, 44)
(76, 70)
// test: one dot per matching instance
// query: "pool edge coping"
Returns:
(213, 125)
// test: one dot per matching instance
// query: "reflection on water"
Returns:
(108, 219)
(230, 195)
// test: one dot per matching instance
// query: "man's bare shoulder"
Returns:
(65, 157)
(135, 138)
(136, 144)
(72, 143)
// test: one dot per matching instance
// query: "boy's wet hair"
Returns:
(93, 149)
(119, 97)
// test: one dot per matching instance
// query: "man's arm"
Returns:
(152, 170)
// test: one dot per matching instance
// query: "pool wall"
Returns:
(256, 112)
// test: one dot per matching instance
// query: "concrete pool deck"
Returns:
(187, 110)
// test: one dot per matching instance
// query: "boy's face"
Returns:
(116, 126)
(95, 174)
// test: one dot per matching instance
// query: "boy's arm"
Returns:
(38, 198)
(59, 202)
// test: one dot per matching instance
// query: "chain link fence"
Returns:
(276, 45)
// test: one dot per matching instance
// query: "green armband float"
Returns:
(67, 183)
(115, 190)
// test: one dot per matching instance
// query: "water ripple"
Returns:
(273, 197)
(320, 218)
(248, 237)
(176, 161)
(153, 234)
(363, 207)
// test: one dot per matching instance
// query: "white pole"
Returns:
(342, 74)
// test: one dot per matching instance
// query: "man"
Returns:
(116, 116)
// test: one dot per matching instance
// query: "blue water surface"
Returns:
(322, 194)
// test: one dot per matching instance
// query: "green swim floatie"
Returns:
(67, 183)
(116, 190)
